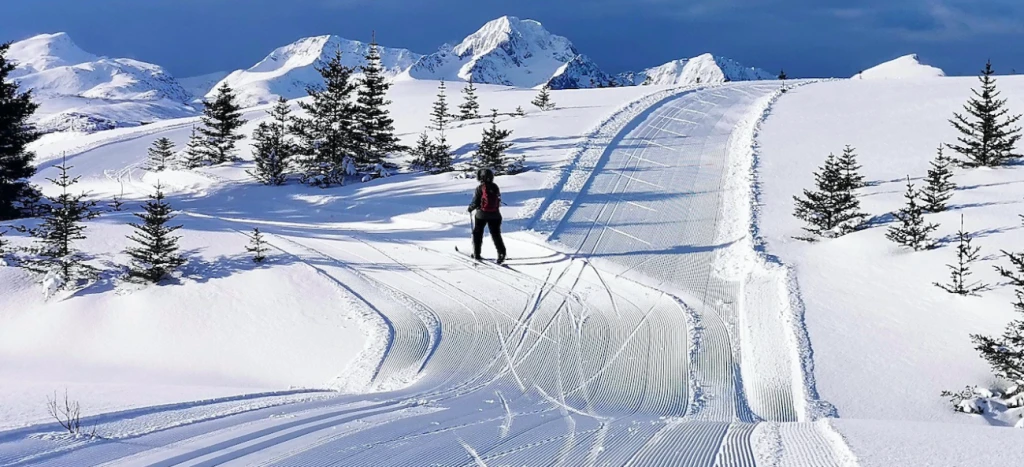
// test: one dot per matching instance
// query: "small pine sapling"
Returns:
(912, 230)
(940, 187)
(543, 100)
(257, 246)
(157, 254)
(160, 155)
(966, 256)
(833, 208)
(520, 112)
(988, 135)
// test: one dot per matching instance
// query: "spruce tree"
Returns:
(257, 246)
(195, 154)
(543, 99)
(54, 249)
(376, 128)
(988, 132)
(222, 118)
(491, 153)
(440, 116)
(160, 155)
(912, 230)
(833, 208)
(16, 133)
(966, 255)
(852, 178)
(273, 147)
(328, 135)
(782, 75)
(939, 188)
(1005, 354)
(421, 152)
(157, 254)
(3, 247)
(520, 112)
(470, 107)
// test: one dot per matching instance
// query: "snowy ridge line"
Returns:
(580, 162)
(813, 408)
(132, 133)
(12, 434)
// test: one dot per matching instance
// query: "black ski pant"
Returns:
(494, 225)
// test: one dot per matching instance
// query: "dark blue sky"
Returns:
(806, 37)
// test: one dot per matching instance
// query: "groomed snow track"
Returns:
(627, 352)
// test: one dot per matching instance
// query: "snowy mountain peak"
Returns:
(512, 52)
(905, 67)
(705, 68)
(47, 51)
(289, 70)
(85, 92)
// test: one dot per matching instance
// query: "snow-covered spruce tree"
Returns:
(520, 112)
(543, 99)
(988, 135)
(222, 118)
(327, 136)
(912, 230)
(376, 128)
(939, 188)
(195, 154)
(420, 152)
(852, 178)
(1005, 354)
(257, 246)
(157, 254)
(470, 107)
(273, 147)
(782, 75)
(160, 155)
(966, 255)
(491, 153)
(439, 115)
(832, 209)
(15, 135)
(54, 253)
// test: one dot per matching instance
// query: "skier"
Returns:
(486, 201)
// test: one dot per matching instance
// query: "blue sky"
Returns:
(806, 37)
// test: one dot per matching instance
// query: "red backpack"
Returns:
(489, 201)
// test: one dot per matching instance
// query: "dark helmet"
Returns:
(485, 175)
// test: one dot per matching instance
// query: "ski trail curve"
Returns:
(645, 344)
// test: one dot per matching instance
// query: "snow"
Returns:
(705, 68)
(199, 86)
(289, 70)
(79, 91)
(886, 341)
(906, 67)
(511, 52)
(656, 309)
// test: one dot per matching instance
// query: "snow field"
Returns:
(886, 341)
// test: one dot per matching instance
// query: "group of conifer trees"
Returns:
(988, 138)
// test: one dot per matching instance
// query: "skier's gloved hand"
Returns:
(470, 209)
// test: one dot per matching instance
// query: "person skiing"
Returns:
(486, 202)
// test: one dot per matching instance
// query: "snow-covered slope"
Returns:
(289, 70)
(703, 69)
(199, 86)
(905, 67)
(512, 52)
(886, 340)
(81, 91)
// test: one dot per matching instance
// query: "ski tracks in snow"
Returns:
(651, 345)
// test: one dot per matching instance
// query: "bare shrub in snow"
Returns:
(66, 412)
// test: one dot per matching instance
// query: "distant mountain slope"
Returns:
(289, 70)
(905, 67)
(704, 68)
(512, 52)
(198, 86)
(80, 91)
